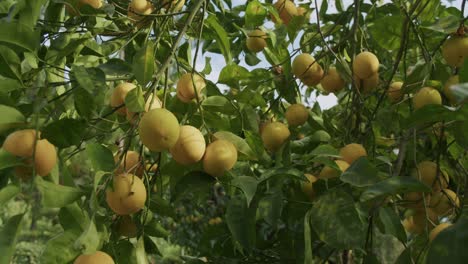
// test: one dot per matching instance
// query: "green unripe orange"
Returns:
(426, 96)
(297, 114)
(159, 129)
(274, 135)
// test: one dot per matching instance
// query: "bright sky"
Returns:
(325, 102)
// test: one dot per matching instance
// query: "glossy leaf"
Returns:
(248, 185)
(7, 160)
(134, 101)
(449, 245)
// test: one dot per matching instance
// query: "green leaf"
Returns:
(144, 64)
(285, 172)
(197, 183)
(463, 74)
(217, 103)
(433, 114)
(10, 115)
(270, 207)
(238, 142)
(101, 157)
(31, 12)
(255, 14)
(8, 238)
(308, 258)
(59, 249)
(221, 36)
(161, 207)
(116, 68)
(392, 224)
(7, 160)
(387, 31)
(139, 253)
(72, 216)
(10, 64)
(445, 24)
(241, 221)
(8, 85)
(361, 173)
(56, 196)
(19, 35)
(134, 101)
(326, 151)
(156, 229)
(232, 73)
(416, 77)
(450, 245)
(394, 185)
(248, 185)
(65, 132)
(88, 78)
(336, 220)
(7, 193)
(84, 103)
(89, 241)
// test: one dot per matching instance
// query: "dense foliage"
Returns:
(90, 162)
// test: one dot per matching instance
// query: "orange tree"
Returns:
(109, 123)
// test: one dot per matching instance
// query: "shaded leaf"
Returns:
(89, 241)
(255, 13)
(220, 104)
(19, 35)
(387, 31)
(392, 224)
(8, 238)
(336, 220)
(450, 245)
(248, 185)
(58, 250)
(65, 132)
(394, 185)
(8, 192)
(361, 173)
(101, 157)
(326, 150)
(232, 73)
(7, 160)
(221, 36)
(197, 183)
(432, 114)
(10, 65)
(241, 221)
(287, 171)
(56, 196)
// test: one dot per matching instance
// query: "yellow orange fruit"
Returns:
(365, 65)
(130, 163)
(307, 187)
(332, 81)
(153, 102)
(352, 152)
(173, 5)
(426, 172)
(297, 114)
(128, 194)
(118, 96)
(96, 4)
(455, 51)
(455, 79)
(313, 76)
(367, 85)
(159, 129)
(45, 157)
(426, 96)
(329, 172)
(275, 135)
(256, 40)
(220, 156)
(137, 9)
(444, 201)
(186, 87)
(20, 143)
(97, 257)
(305, 66)
(190, 146)
(394, 92)
(286, 10)
(436, 231)
(415, 200)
